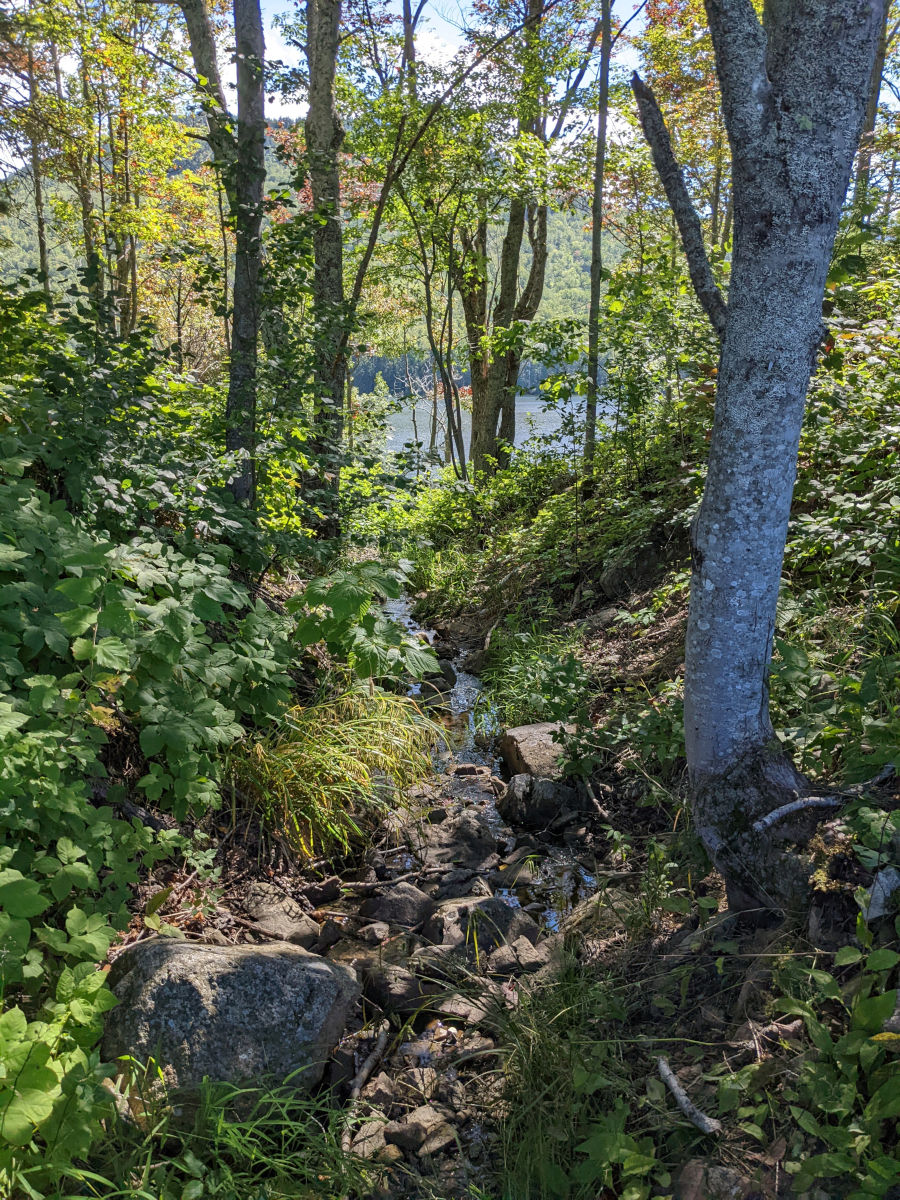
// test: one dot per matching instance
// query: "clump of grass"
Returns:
(328, 769)
(568, 1123)
(266, 1142)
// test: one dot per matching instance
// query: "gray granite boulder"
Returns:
(228, 1013)
(533, 802)
(404, 904)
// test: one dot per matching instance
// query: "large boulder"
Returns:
(533, 802)
(228, 1013)
(531, 750)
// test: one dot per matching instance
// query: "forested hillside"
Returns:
(472, 819)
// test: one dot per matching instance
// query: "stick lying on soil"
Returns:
(360, 1079)
(704, 1123)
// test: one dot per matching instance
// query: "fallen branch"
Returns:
(798, 805)
(361, 1078)
(704, 1123)
(366, 889)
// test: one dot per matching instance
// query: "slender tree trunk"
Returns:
(593, 363)
(37, 178)
(249, 180)
(794, 93)
(324, 137)
(867, 140)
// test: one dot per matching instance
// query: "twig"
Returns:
(365, 889)
(276, 937)
(704, 1123)
(592, 796)
(776, 815)
(360, 1079)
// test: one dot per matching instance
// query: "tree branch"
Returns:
(740, 45)
(672, 179)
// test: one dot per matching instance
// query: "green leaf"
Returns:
(21, 897)
(882, 960)
(872, 1013)
(885, 1104)
(112, 652)
(76, 621)
(847, 955)
(21, 1112)
(9, 555)
(10, 719)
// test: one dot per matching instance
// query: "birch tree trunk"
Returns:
(794, 90)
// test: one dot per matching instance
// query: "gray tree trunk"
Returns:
(794, 91)
(324, 137)
(249, 181)
(240, 157)
(864, 163)
(593, 363)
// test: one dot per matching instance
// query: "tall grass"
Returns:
(331, 768)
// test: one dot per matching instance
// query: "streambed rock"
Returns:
(402, 905)
(236, 1014)
(531, 750)
(535, 803)
(479, 926)
(466, 841)
(279, 914)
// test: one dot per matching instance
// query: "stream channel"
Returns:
(562, 871)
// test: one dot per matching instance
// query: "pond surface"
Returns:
(532, 421)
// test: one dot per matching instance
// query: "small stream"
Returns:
(564, 874)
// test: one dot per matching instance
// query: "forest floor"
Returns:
(523, 979)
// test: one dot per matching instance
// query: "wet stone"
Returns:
(324, 892)
(380, 1091)
(369, 1140)
(416, 1128)
(479, 926)
(519, 958)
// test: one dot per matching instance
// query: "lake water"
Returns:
(531, 421)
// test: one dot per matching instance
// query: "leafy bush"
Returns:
(531, 674)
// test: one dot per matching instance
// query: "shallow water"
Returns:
(563, 879)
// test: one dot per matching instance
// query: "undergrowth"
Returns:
(326, 772)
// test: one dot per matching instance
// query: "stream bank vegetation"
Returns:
(202, 688)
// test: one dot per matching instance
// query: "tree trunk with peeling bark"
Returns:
(794, 89)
